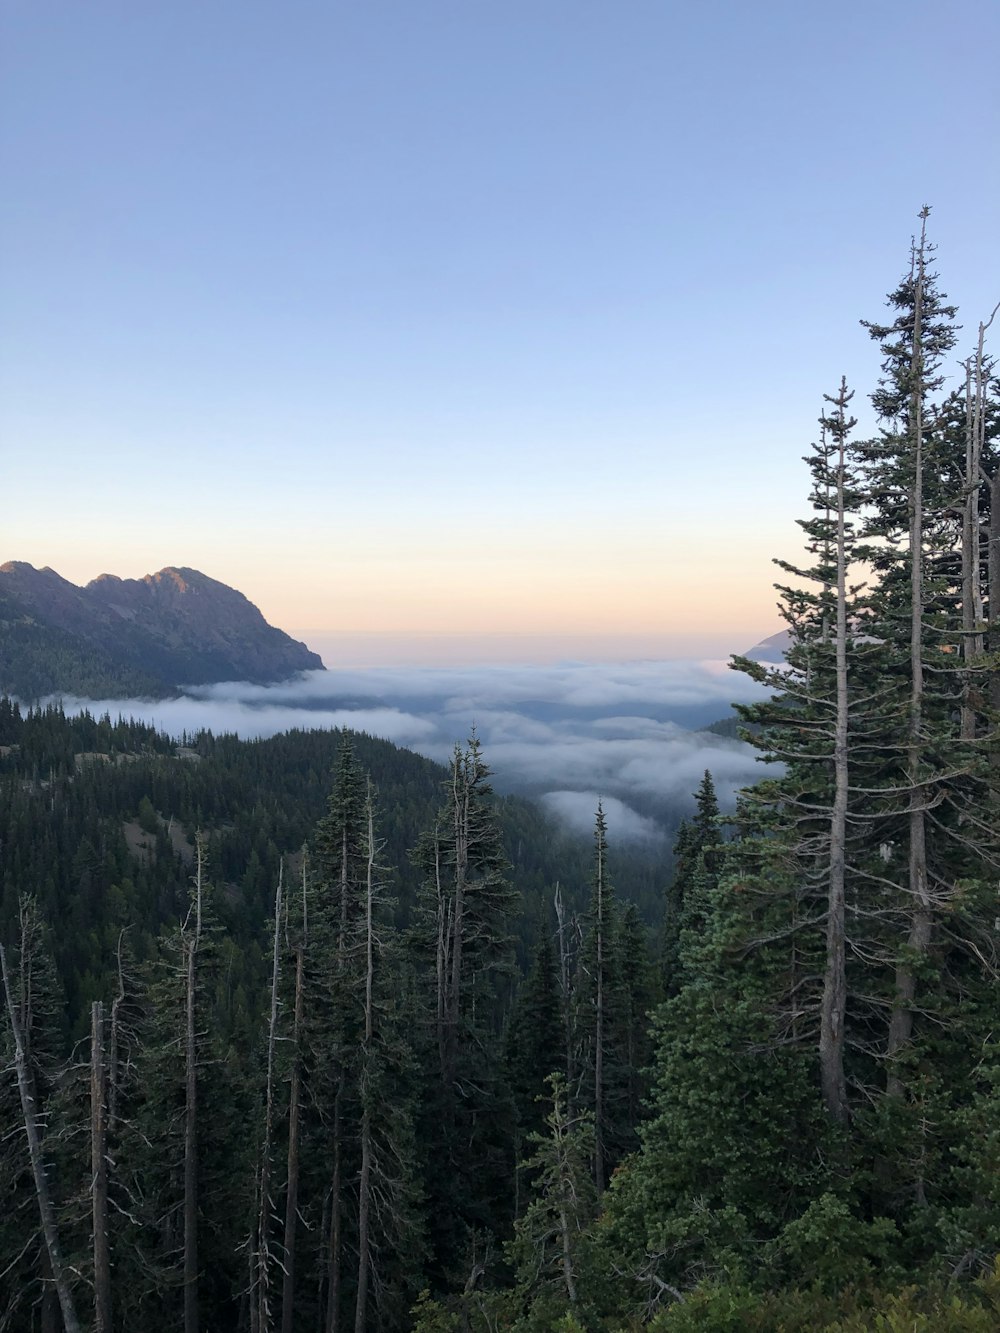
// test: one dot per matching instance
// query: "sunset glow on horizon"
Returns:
(435, 323)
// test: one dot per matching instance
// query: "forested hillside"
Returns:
(126, 638)
(311, 1034)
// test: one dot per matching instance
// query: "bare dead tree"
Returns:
(260, 1294)
(99, 1171)
(364, 1183)
(190, 943)
(294, 1112)
(600, 944)
(114, 1041)
(32, 1129)
(565, 986)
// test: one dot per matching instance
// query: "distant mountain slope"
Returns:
(771, 650)
(135, 636)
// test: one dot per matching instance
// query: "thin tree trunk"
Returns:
(993, 530)
(99, 1171)
(901, 1022)
(364, 1184)
(336, 1186)
(334, 1258)
(260, 1302)
(460, 805)
(441, 957)
(560, 1129)
(114, 1074)
(564, 985)
(970, 554)
(46, 1210)
(191, 944)
(993, 576)
(834, 1003)
(567, 1258)
(599, 1016)
(49, 1315)
(294, 1115)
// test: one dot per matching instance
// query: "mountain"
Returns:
(772, 650)
(144, 637)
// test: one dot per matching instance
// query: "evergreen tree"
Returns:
(612, 998)
(462, 950)
(695, 855)
(535, 1047)
(189, 1158)
(550, 1239)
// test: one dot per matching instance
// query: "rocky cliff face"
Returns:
(170, 629)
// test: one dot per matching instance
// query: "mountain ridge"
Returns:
(148, 636)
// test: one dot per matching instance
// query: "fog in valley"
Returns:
(572, 734)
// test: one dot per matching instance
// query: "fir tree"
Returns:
(550, 1239)
(461, 946)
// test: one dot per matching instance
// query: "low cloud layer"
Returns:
(576, 810)
(570, 734)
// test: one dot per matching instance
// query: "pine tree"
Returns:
(535, 1048)
(390, 1243)
(696, 854)
(729, 1149)
(612, 996)
(461, 950)
(596, 991)
(186, 1147)
(909, 511)
(549, 1239)
(339, 861)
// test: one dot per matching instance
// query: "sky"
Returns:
(465, 329)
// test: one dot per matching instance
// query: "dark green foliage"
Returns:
(153, 1139)
(430, 1176)
(535, 1040)
(461, 949)
(696, 857)
(548, 1251)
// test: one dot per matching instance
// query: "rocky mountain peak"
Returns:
(177, 626)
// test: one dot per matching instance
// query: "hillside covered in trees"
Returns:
(133, 638)
(310, 1034)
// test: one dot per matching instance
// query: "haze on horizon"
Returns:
(445, 331)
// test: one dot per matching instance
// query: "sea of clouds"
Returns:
(570, 734)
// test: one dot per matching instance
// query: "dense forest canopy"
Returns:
(311, 1033)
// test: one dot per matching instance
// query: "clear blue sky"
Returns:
(464, 316)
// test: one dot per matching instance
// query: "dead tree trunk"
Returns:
(335, 1257)
(260, 1314)
(294, 1115)
(114, 1073)
(29, 1110)
(99, 1171)
(599, 924)
(564, 983)
(191, 941)
(364, 1184)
